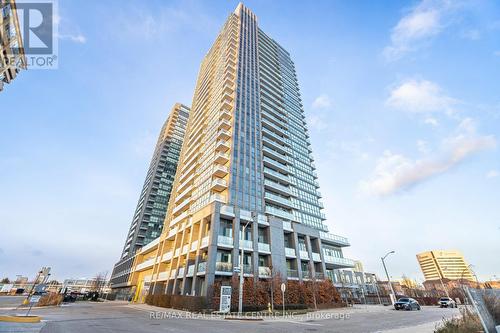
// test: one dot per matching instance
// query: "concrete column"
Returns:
(297, 254)
(212, 250)
(277, 240)
(309, 250)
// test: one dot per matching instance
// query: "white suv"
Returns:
(446, 302)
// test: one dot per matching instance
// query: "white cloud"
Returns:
(322, 102)
(395, 172)
(420, 96)
(316, 122)
(492, 174)
(422, 22)
(431, 121)
(79, 38)
(423, 146)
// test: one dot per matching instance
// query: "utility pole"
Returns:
(388, 278)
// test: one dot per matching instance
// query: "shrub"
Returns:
(493, 304)
(50, 299)
(468, 322)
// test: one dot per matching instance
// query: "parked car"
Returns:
(406, 303)
(446, 302)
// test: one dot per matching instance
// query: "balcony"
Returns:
(304, 254)
(202, 267)
(219, 185)
(173, 273)
(264, 247)
(220, 170)
(145, 265)
(289, 252)
(225, 241)
(194, 245)
(185, 249)
(183, 194)
(316, 256)
(221, 158)
(333, 239)
(319, 276)
(274, 154)
(275, 164)
(280, 213)
(225, 114)
(180, 275)
(222, 145)
(163, 276)
(287, 226)
(262, 219)
(247, 269)
(177, 252)
(246, 215)
(246, 244)
(173, 231)
(277, 187)
(275, 175)
(224, 268)
(306, 274)
(292, 274)
(181, 207)
(339, 262)
(218, 197)
(227, 211)
(264, 272)
(224, 124)
(178, 219)
(167, 256)
(150, 246)
(278, 200)
(223, 134)
(190, 271)
(204, 242)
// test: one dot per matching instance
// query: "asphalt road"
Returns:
(120, 317)
(11, 301)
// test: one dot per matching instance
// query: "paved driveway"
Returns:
(120, 317)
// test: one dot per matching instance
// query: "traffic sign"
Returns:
(283, 287)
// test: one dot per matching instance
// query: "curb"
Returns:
(20, 319)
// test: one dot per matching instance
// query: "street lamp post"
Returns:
(240, 289)
(388, 278)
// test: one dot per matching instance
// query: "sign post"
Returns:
(225, 299)
(283, 288)
(33, 300)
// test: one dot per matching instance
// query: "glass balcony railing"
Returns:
(264, 247)
(277, 175)
(225, 240)
(292, 273)
(289, 252)
(223, 267)
(264, 271)
(202, 267)
(277, 187)
(279, 200)
(280, 213)
(335, 239)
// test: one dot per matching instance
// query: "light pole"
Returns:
(387, 274)
(240, 289)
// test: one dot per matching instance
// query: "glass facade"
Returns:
(151, 209)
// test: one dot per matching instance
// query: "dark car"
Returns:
(406, 304)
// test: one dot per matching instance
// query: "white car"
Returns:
(446, 302)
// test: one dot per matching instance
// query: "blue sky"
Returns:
(402, 101)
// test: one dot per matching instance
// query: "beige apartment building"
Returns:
(12, 58)
(246, 180)
(444, 264)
